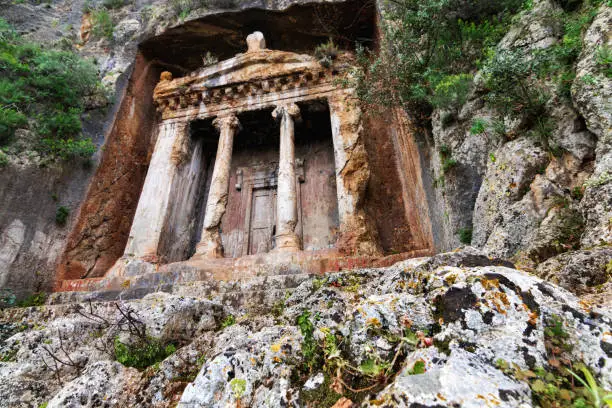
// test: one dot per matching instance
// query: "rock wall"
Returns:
(518, 200)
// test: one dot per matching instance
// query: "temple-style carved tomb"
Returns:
(259, 167)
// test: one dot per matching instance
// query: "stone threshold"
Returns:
(137, 276)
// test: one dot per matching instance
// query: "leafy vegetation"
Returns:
(465, 235)
(558, 385)
(35, 299)
(61, 215)
(43, 89)
(102, 24)
(343, 378)
(432, 50)
(229, 320)
(143, 353)
(326, 53)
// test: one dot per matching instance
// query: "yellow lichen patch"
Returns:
(440, 397)
(489, 284)
(275, 347)
(373, 322)
(586, 306)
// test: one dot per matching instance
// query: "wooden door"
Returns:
(263, 220)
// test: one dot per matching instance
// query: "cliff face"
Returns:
(511, 196)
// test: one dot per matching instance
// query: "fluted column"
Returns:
(210, 243)
(286, 197)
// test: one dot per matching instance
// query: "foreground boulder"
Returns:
(457, 329)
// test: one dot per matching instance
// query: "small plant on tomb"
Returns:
(209, 59)
(326, 53)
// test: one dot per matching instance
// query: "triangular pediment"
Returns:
(241, 69)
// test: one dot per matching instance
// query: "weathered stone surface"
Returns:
(477, 311)
(578, 271)
(592, 98)
(461, 379)
(104, 383)
(506, 181)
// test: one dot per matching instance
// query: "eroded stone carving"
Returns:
(256, 42)
(259, 79)
(286, 203)
(210, 243)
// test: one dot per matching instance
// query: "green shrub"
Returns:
(451, 91)
(68, 149)
(60, 124)
(10, 120)
(143, 353)
(479, 126)
(326, 53)
(61, 215)
(230, 320)
(465, 235)
(35, 299)
(3, 159)
(604, 60)
(102, 24)
(430, 49)
(48, 85)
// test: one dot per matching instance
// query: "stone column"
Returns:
(210, 243)
(286, 197)
(152, 210)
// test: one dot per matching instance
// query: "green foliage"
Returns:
(35, 299)
(555, 385)
(229, 320)
(143, 353)
(238, 387)
(451, 91)
(43, 405)
(326, 53)
(417, 368)
(47, 86)
(479, 126)
(597, 395)
(61, 215)
(312, 358)
(10, 120)
(465, 235)
(445, 157)
(430, 49)
(102, 24)
(7, 298)
(604, 60)
(69, 148)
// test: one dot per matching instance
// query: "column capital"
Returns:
(230, 121)
(291, 110)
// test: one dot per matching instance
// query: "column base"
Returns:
(287, 243)
(210, 246)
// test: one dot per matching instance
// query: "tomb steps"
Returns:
(249, 294)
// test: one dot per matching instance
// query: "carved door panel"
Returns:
(263, 220)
